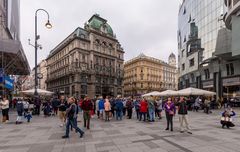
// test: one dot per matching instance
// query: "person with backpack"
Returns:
(71, 115)
(87, 107)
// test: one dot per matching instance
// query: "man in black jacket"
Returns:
(71, 114)
(182, 112)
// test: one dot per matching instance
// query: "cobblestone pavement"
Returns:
(44, 135)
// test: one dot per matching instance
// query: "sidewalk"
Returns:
(44, 135)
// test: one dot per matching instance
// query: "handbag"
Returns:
(171, 112)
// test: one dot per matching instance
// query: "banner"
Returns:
(8, 82)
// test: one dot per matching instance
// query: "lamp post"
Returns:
(48, 25)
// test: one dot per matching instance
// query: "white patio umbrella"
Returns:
(168, 93)
(40, 92)
(194, 91)
(154, 93)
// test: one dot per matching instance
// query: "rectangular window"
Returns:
(207, 74)
(191, 62)
(232, 68)
(228, 69)
(141, 85)
(183, 67)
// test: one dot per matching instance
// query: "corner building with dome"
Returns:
(88, 62)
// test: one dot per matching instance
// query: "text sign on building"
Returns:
(231, 81)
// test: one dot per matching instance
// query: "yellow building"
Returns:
(144, 74)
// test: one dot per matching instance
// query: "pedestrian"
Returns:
(226, 119)
(28, 116)
(71, 115)
(101, 107)
(119, 108)
(107, 107)
(25, 106)
(207, 105)
(143, 109)
(37, 106)
(183, 112)
(62, 110)
(136, 103)
(55, 105)
(112, 102)
(129, 107)
(20, 110)
(197, 104)
(87, 107)
(170, 111)
(5, 109)
(97, 107)
(158, 108)
(151, 109)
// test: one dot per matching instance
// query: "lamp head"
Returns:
(48, 24)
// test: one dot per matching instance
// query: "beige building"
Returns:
(42, 69)
(88, 62)
(144, 74)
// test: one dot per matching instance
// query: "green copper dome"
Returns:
(96, 22)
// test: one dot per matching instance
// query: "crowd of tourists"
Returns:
(146, 109)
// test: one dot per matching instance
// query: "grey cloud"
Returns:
(147, 26)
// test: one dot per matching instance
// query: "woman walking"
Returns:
(170, 111)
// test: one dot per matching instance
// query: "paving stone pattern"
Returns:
(44, 135)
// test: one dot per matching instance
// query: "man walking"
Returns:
(119, 108)
(71, 114)
(182, 112)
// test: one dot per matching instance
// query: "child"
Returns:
(226, 119)
(28, 116)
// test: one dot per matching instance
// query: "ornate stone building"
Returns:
(144, 74)
(88, 62)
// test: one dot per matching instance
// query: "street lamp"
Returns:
(48, 25)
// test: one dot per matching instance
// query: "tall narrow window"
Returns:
(232, 68)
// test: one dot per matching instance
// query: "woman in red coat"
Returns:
(143, 109)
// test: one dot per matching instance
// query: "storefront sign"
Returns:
(8, 82)
(207, 84)
(231, 81)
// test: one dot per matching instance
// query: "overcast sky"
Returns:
(141, 26)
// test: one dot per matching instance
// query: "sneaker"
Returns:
(81, 134)
(171, 129)
(61, 125)
(167, 129)
(65, 137)
(189, 132)
(181, 131)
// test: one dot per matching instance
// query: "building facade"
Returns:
(204, 45)
(88, 62)
(12, 57)
(144, 74)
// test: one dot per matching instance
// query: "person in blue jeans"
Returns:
(71, 115)
(151, 109)
(119, 107)
(101, 107)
